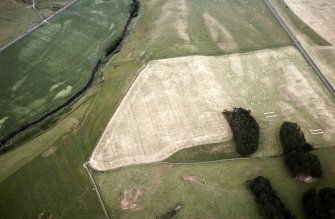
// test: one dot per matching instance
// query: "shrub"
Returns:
(270, 205)
(302, 163)
(296, 152)
(245, 130)
(319, 206)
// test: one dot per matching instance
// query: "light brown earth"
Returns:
(130, 199)
(220, 34)
(177, 103)
(193, 179)
(320, 17)
(174, 18)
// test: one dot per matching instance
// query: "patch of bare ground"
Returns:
(220, 34)
(193, 179)
(49, 151)
(130, 199)
(45, 215)
(219, 148)
(173, 17)
(306, 179)
(73, 127)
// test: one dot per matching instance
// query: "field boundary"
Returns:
(96, 189)
(117, 45)
(330, 147)
(38, 25)
(301, 49)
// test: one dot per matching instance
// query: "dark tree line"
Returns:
(296, 152)
(266, 198)
(319, 206)
(245, 130)
(134, 8)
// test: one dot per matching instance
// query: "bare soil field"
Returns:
(312, 23)
(177, 103)
(319, 15)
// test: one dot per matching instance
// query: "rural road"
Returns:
(37, 26)
(301, 49)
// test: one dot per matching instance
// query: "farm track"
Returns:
(37, 26)
(5, 141)
(96, 188)
(301, 49)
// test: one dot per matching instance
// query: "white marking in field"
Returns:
(53, 87)
(267, 113)
(63, 93)
(315, 130)
(3, 120)
(19, 83)
(317, 133)
(273, 116)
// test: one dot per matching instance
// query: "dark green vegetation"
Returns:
(293, 139)
(266, 197)
(46, 173)
(245, 130)
(201, 153)
(50, 65)
(296, 152)
(16, 17)
(212, 190)
(50, 177)
(319, 206)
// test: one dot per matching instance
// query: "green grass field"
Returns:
(17, 18)
(51, 64)
(179, 28)
(46, 173)
(213, 190)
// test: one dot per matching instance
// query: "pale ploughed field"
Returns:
(177, 103)
(319, 16)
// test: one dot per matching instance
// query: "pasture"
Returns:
(212, 190)
(46, 173)
(16, 17)
(48, 66)
(177, 103)
(196, 27)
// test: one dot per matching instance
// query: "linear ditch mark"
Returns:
(112, 50)
(301, 49)
(97, 191)
(37, 26)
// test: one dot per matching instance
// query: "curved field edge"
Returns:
(73, 149)
(54, 62)
(321, 52)
(212, 190)
(164, 112)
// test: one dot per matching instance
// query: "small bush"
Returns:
(319, 206)
(270, 205)
(245, 130)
